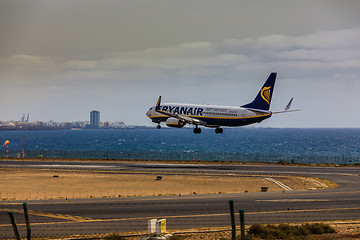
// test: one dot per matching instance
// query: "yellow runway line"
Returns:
(77, 219)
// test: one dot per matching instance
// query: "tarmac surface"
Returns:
(119, 215)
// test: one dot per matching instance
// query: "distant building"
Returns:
(107, 124)
(94, 119)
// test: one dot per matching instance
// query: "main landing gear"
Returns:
(197, 130)
(218, 130)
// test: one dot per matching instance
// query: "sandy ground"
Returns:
(29, 184)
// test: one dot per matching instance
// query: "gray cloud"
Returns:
(60, 60)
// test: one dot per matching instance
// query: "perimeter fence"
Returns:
(179, 156)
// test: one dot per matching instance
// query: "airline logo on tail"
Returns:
(265, 94)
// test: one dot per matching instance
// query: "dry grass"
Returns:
(26, 184)
(348, 230)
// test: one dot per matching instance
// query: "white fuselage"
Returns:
(212, 115)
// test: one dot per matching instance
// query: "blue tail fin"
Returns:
(263, 99)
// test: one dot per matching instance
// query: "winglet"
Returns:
(157, 107)
(289, 104)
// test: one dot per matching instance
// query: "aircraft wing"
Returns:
(187, 120)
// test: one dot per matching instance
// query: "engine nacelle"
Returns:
(174, 122)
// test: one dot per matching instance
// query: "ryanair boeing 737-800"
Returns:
(178, 114)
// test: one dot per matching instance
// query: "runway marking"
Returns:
(316, 182)
(225, 214)
(51, 215)
(87, 220)
(280, 184)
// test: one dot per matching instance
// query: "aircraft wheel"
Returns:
(197, 130)
(218, 130)
(158, 126)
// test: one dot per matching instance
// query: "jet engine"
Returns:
(174, 122)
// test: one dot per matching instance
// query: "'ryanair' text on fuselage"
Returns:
(183, 110)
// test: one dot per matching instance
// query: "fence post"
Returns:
(232, 215)
(27, 221)
(242, 224)
(13, 222)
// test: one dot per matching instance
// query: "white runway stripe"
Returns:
(279, 183)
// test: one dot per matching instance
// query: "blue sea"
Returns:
(235, 144)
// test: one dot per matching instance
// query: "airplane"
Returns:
(178, 114)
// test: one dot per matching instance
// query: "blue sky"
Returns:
(61, 59)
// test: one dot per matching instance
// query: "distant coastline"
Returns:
(42, 128)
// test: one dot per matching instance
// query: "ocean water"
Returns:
(237, 144)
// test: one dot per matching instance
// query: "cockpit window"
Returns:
(150, 109)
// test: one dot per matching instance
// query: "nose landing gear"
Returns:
(158, 126)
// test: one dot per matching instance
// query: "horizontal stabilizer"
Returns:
(287, 108)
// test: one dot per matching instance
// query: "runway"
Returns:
(95, 216)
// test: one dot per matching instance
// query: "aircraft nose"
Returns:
(148, 114)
